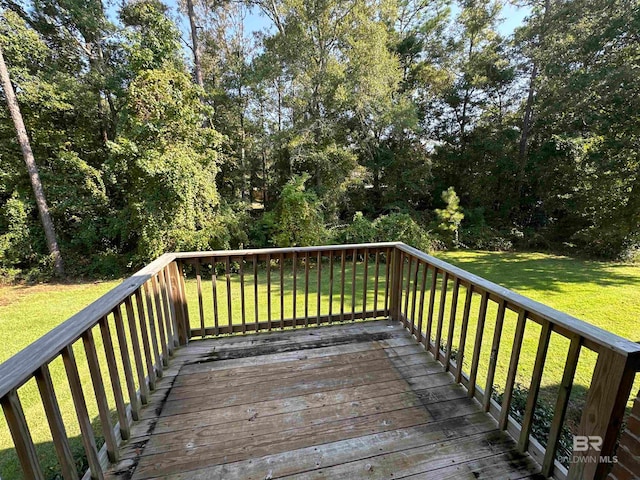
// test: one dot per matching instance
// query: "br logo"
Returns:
(582, 443)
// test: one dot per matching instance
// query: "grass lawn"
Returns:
(604, 294)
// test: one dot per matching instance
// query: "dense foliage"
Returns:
(344, 121)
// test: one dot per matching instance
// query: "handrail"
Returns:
(287, 250)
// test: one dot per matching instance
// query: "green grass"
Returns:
(604, 294)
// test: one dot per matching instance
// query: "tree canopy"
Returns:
(343, 119)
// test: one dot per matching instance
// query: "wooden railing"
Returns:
(154, 308)
(228, 292)
(618, 359)
(288, 287)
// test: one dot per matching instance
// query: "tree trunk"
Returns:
(527, 119)
(23, 140)
(526, 125)
(195, 44)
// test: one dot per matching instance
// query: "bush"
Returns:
(297, 218)
(486, 238)
(400, 227)
(360, 230)
(450, 217)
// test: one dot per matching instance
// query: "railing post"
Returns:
(396, 285)
(628, 452)
(602, 414)
(179, 302)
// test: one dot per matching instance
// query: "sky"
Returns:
(513, 17)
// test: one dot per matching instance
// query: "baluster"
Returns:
(443, 301)
(406, 294)
(214, 290)
(100, 395)
(168, 308)
(21, 435)
(227, 266)
(152, 329)
(387, 278)
(243, 305)
(331, 286)
(475, 359)
(396, 285)
(56, 424)
(126, 363)
(184, 307)
(513, 368)
(294, 262)
(376, 284)
(306, 289)
(200, 305)
(432, 299)
(255, 291)
(166, 351)
(177, 311)
(319, 287)
(137, 353)
(414, 300)
(112, 368)
(493, 360)
(353, 284)
(421, 310)
(534, 389)
(452, 324)
(145, 341)
(463, 332)
(561, 405)
(269, 292)
(342, 279)
(282, 291)
(604, 410)
(88, 439)
(365, 283)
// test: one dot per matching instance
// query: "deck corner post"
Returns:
(603, 414)
(396, 285)
(179, 302)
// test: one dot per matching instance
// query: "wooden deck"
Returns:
(339, 402)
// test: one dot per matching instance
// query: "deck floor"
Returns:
(339, 402)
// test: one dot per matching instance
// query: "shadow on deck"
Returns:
(362, 400)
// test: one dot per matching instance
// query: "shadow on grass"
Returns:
(529, 271)
(10, 467)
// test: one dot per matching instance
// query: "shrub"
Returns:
(400, 227)
(360, 230)
(297, 217)
(486, 238)
(451, 216)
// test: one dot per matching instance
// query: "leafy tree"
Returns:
(451, 216)
(297, 218)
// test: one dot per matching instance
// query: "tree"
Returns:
(297, 217)
(195, 43)
(25, 146)
(451, 216)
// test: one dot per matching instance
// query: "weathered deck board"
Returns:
(352, 401)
